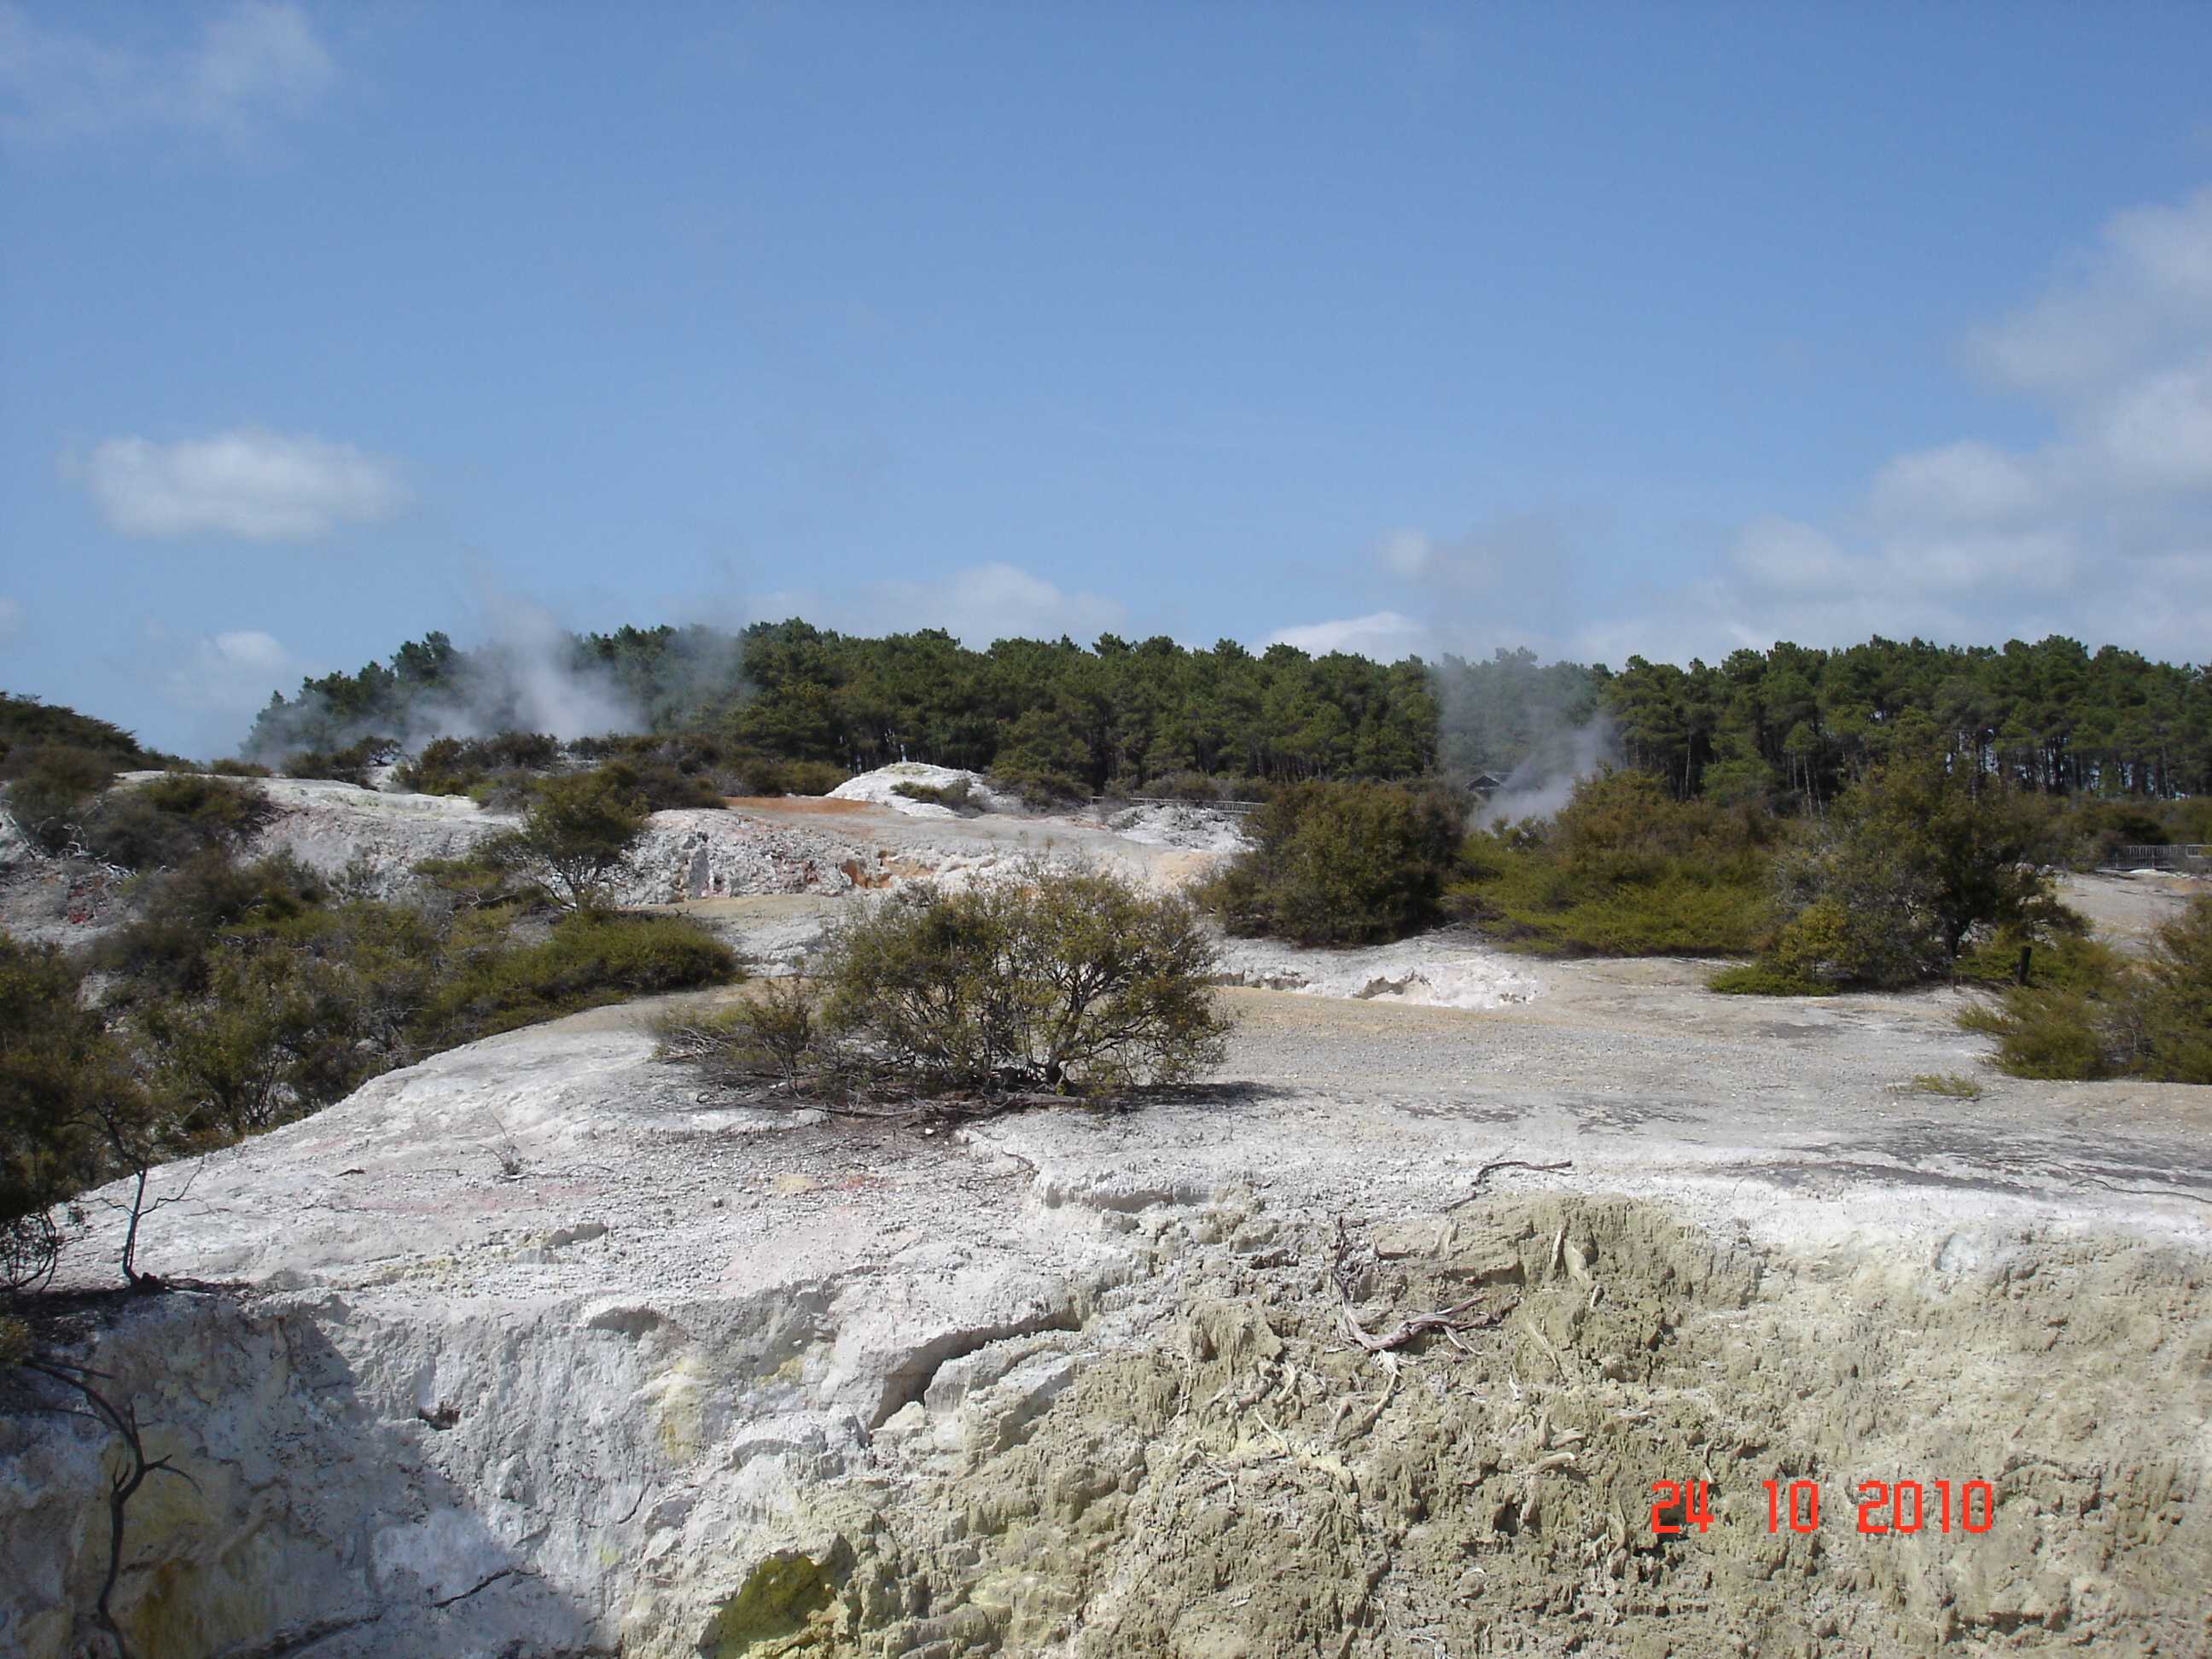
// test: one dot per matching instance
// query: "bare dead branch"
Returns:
(1496, 1164)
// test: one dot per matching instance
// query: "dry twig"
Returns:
(1449, 1321)
(1496, 1164)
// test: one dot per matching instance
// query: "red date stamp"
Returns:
(1883, 1506)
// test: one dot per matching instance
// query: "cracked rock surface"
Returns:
(539, 1348)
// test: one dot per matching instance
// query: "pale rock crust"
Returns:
(539, 1350)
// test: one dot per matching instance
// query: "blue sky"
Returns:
(1601, 330)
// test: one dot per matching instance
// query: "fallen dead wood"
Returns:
(1496, 1164)
(1449, 1321)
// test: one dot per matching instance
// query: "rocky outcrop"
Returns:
(536, 1349)
(378, 836)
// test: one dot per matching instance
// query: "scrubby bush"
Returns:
(1910, 865)
(275, 1030)
(2093, 1013)
(1038, 789)
(51, 1050)
(1624, 869)
(240, 769)
(591, 959)
(1076, 981)
(167, 820)
(483, 878)
(661, 785)
(459, 766)
(775, 1032)
(29, 724)
(243, 995)
(953, 795)
(181, 915)
(73, 1112)
(812, 777)
(351, 764)
(1340, 864)
(575, 839)
(51, 786)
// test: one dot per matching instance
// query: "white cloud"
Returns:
(11, 618)
(1384, 636)
(2155, 432)
(1407, 553)
(1501, 550)
(254, 61)
(2148, 283)
(264, 486)
(1783, 554)
(232, 673)
(976, 604)
(1965, 482)
(2103, 532)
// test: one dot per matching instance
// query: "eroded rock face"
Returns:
(1176, 1453)
(380, 836)
(539, 1352)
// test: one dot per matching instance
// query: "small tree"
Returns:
(1342, 864)
(2177, 997)
(1071, 979)
(71, 1113)
(1908, 864)
(48, 1043)
(576, 837)
(51, 786)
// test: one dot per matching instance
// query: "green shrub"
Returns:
(73, 1112)
(2174, 1001)
(51, 1050)
(1759, 979)
(775, 1032)
(575, 839)
(591, 959)
(51, 786)
(180, 915)
(2091, 1013)
(459, 766)
(1076, 980)
(1340, 864)
(240, 769)
(661, 785)
(1624, 870)
(1911, 866)
(277, 1030)
(164, 822)
(809, 777)
(484, 879)
(953, 795)
(28, 724)
(351, 764)
(1039, 789)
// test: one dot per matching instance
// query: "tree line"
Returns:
(2052, 717)
(1793, 726)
